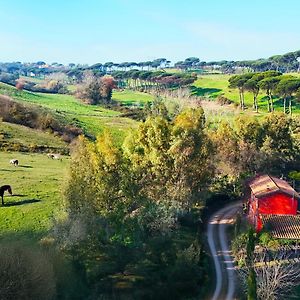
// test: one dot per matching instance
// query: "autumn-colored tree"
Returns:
(173, 158)
(96, 90)
(20, 84)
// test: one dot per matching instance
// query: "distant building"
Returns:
(273, 205)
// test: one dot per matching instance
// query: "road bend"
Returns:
(225, 287)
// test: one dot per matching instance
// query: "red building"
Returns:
(271, 197)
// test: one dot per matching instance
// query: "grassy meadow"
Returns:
(36, 185)
(217, 84)
(14, 133)
(129, 98)
(91, 118)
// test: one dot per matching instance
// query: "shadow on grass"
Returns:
(27, 201)
(23, 166)
(198, 91)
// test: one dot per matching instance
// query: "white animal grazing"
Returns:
(54, 156)
(50, 155)
(14, 162)
(57, 156)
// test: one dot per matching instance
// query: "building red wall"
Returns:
(278, 204)
(274, 204)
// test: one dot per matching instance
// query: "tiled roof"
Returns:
(282, 226)
(265, 185)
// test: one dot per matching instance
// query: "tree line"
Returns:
(285, 63)
(273, 83)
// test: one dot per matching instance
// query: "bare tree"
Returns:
(276, 274)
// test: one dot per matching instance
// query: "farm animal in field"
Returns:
(4, 188)
(50, 155)
(54, 156)
(14, 162)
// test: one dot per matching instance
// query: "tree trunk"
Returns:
(290, 105)
(243, 101)
(284, 105)
(269, 108)
(271, 100)
(256, 104)
(241, 98)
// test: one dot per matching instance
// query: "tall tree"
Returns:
(239, 81)
(252, 85)
(287, 88)
(269, 84)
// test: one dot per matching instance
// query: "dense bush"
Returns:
(26, 274)
(96, 90)
(221, 99)
(8, 78)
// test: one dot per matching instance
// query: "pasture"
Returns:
(211, 86)
(91, 118)
(36, 184)
(13, 133)
(128, 97)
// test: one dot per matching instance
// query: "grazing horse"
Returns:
(14, 162)
(57, 156)
(54, 156)
(4, 188)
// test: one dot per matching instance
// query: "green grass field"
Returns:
(36, 185)
(129, 98)
(213, 85)
(14, 133)
(92, 118)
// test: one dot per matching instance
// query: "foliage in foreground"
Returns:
(127, 207)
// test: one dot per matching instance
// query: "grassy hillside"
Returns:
(14, 133)
(93, 119)
(128, 97)
(36, 185)
(213, 85)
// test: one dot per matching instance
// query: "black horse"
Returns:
(4, 188)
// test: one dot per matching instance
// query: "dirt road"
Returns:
(225, 286)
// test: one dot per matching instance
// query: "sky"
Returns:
(93, 31)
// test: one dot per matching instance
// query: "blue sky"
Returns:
(90, 31)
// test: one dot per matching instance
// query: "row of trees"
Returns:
(289, 62)
(273, 83)
(147, 80)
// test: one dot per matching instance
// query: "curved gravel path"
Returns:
(220, 251)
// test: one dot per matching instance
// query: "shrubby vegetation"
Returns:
(26, 273)
(133, 212)
(249, 146)
(127, 208)
(33, 117)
